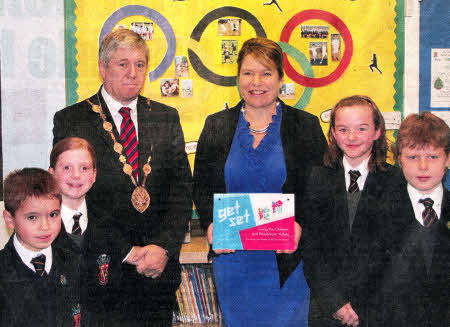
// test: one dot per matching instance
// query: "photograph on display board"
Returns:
(229, 27)
(145, 30)
(287, 91)
(318, 53)
(169, 87)
(187, 90)
(181, 66)
(335, 44)
(314, 32)
(229, 51)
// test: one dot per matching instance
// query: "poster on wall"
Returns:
(440, 78)
(330, 51)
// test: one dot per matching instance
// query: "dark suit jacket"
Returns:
(102, 303)
(336, 263)
(29, 300)
(303, 144)
(411, 291)
(161, 137)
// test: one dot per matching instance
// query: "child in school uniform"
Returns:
(91, 232)
(416, 283)
(337, 233)
(39, 281)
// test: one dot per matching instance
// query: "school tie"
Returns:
(39, 265)
(354, 175)
(76, 229)
(129, 139)
(429, 216)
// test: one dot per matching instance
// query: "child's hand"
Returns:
(298, 233)
(209, 235)
(347, 315)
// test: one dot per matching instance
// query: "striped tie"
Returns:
(354, 175)
(129, 139)
(39, 265)
(76, 229)
(429, 216)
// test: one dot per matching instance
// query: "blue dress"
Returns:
(247, 282)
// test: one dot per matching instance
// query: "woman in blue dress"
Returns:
(259, 146)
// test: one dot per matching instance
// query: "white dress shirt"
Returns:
(436, 195)
(363, 170)
(27, 255)
(67, 217)
(114, 107)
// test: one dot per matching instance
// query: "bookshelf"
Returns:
(196, 297)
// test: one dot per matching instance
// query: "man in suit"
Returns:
(143, 176)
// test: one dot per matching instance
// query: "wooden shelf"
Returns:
(196, 251)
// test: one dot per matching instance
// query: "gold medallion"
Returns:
(147, 169)
(107, 126)
(140, 199)
(118, 147)
(127, 169)
(96, 108)
(122, 159)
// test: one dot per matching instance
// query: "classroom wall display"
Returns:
(332, 49)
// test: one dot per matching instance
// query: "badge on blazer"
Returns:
(103, 268)
(63, 280)
(448, 224)
(76, 313)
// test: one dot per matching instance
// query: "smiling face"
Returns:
(355, 132)
(424, 167)
(124, 76)
(74, 172)
(36, 222)
(258, 83)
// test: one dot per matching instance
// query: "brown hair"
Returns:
(333, 155)
(22, 184)
(262, 49)
(71, 143)
(420, 131)
(120, 38)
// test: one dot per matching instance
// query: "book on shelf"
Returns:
(196, 297)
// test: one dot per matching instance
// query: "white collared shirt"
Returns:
(67, 217)
(114, 107)
(363, 169)
(415, 196)
(27, 255)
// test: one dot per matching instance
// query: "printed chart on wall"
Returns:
(332, 49)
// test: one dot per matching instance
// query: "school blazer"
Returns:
(303, 145)
(101, 271)
(29, 300)
(336, 259)
(414, 293)
(169, 183)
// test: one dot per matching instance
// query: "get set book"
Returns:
(253, 221)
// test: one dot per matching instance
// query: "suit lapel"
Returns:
(145, 133)
(342, 202)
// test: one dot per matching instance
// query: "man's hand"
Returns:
(149, 260)
(209, 235)
(298, 233)
(347, 315)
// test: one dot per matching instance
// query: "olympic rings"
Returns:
(335, 22)
(198, 30)
(156, 17)
(304, 63)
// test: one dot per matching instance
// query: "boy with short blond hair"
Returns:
(416, 289)
(39, 281)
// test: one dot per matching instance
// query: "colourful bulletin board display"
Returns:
(332, 49)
